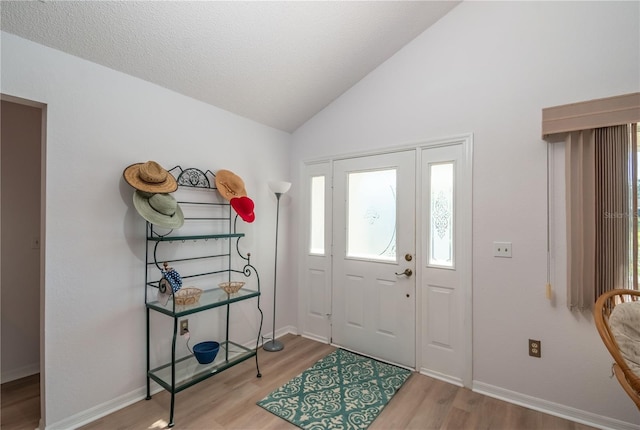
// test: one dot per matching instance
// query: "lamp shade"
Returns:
(279, 187)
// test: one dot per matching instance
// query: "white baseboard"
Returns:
(280, 332)
(287, 330)
(554, 409)
(21, 372)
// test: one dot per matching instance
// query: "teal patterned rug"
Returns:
(341, 391)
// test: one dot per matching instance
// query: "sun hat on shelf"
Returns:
(150, 177)
(160, 209)
(244, 207)
(230, 185)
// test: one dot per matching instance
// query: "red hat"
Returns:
(244, 207)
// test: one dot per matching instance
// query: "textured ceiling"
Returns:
(278, 63)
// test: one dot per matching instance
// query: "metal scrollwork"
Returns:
(192, 177)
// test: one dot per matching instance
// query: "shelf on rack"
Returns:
(189, 372)
(196, 237)
(208, 300)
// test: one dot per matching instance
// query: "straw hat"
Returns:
(159, 209)
(150, 177)
(230, 185)
(244, 207)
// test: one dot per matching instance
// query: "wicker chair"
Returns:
(604, 305)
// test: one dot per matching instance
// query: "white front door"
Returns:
(373, 305)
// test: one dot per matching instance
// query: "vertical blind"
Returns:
(601, 170)
(616, 209)
(581, 226)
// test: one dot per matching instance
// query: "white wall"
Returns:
(99, 122)
(489, 68)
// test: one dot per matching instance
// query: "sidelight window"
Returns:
(441, 214)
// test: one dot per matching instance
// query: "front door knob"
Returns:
(407, 273)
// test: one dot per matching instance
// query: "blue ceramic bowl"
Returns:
(206, 352)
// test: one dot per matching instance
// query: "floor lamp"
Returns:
(278, 188)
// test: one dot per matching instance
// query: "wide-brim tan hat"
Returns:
(230, 185)
(150, 177)
(159, 209)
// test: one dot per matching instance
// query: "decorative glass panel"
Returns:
(441, 214)
(371, 222)
(317, 215)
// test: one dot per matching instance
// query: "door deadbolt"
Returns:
(408, 257)
(407, 273)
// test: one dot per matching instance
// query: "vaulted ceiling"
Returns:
(278, 63)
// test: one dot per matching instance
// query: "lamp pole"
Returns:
(273, 345)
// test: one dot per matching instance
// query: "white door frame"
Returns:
(318, 328)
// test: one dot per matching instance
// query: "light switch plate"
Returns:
(502, 249)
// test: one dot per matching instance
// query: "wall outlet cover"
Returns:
(535, 348)
(184, 327)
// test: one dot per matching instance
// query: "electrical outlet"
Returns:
(184, 327)
(535, 348)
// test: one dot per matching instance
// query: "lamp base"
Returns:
(273, 346)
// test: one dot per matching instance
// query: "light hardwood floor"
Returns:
(20, 400)
(228, 401)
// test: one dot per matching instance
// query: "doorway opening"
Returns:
(21, 260)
